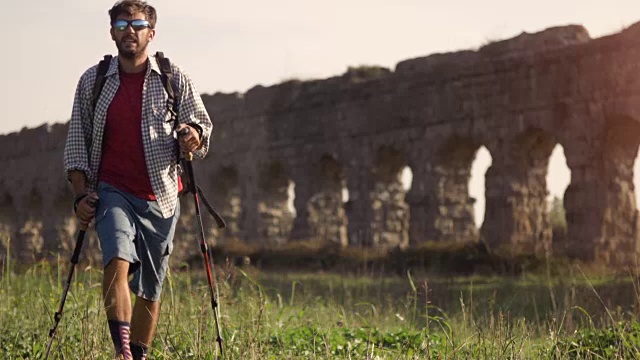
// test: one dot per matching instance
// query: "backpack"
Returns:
(165, 75)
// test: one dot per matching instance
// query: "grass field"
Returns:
(330, 316)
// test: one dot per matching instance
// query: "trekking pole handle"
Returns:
(92, 202)
(183, 132)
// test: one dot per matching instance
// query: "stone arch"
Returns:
(226, 185)
(275, 218)
(60, 224)
(222, 189)
(29, 240)
(327, 217)
(220, 184)
(517, 194)
(479, 166)
(390, 212)
(558, 178)
(453, 218)
(601, 211)
(619, 241)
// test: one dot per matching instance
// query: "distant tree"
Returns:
(557, 218)
(556, 212)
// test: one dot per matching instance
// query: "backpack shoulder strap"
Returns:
(167, 80)
(166, 75)
(103, 66)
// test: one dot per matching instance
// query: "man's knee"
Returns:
(150, 306)
(117, 264)
(116, 270)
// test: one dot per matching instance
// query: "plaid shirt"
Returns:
(83, 149)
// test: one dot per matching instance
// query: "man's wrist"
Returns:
(77, 200)
(198, 129)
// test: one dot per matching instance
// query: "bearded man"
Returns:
(121, 156)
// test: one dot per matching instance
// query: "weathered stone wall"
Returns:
(356, 132)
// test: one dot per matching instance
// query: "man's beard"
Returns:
(131, 54)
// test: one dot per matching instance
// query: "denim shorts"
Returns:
(134, 230)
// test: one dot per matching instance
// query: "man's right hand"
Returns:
(86, 210)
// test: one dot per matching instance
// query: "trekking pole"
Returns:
(188, 167)
(74, 261)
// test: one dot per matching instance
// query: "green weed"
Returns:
(323, 316)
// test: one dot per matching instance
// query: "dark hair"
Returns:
(131, 7)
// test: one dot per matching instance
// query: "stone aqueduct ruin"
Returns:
(518, 97)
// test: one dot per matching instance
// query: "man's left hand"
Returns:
(189, 142)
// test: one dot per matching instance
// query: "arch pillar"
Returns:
(516, 212)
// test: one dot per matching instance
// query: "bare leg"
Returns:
(115, 289)
(117, 303)
(144, 321)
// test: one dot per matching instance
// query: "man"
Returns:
(124, 155)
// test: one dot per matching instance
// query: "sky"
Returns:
(231, 46)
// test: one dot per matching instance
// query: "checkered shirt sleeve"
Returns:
(76, 151)
(83, 150)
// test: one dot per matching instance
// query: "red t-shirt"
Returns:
(123, 162)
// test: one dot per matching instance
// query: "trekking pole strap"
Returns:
(214, 214)
(187, 165)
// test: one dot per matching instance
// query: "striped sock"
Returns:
(120, 335)
(139, 351)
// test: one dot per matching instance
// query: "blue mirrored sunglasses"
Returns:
(137, 24)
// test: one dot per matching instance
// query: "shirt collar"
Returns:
(152, 64)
